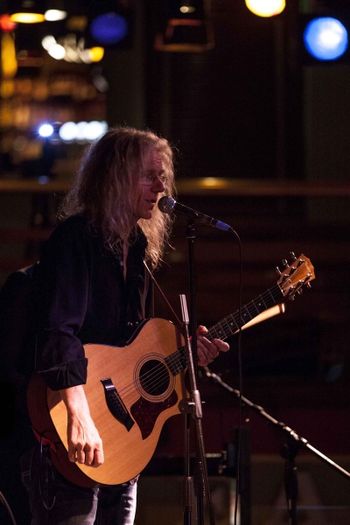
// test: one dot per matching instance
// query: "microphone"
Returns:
(170, 205)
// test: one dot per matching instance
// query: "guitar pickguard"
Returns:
(146, 412)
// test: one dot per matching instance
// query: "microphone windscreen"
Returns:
(166, 204)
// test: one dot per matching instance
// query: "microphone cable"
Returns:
(240, 377)
(4, 501)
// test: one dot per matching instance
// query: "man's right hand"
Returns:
(84, 441)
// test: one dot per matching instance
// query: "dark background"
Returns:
(272, 128)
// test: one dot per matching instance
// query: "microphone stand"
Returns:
(290, 449)
(194, 404)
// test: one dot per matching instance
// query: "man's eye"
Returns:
(150, 178)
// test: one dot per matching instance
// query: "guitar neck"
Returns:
(233, 322)
(230, 324)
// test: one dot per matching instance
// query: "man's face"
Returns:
(150, 184)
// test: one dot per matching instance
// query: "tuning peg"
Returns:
(285, 263)
(292, 256)
(278, 271)
(299, 291)
(309, 285)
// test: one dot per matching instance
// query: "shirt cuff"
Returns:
(66, 375)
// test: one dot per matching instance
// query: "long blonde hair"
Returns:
(104, 189)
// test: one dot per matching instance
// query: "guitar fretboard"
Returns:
(233, 322)
(177, 361)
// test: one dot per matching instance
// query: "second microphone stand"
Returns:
(290, 450)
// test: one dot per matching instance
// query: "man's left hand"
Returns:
(208, 350)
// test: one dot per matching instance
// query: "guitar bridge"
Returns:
(116, 405)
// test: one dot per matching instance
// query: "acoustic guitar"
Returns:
(133, 390)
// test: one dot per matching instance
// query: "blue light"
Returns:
(109, 28)
(326, 38)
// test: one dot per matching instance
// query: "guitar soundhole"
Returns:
(154, 377)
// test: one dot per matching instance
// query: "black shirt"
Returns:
(84, 298)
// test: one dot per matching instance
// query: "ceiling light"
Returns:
(27, 11)
(55, 11)
(54, 15)
(187, 8)
(186, 28)
(266, 8)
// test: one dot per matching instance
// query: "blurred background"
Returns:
(254, 96)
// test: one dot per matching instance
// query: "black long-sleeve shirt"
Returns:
(84, 298)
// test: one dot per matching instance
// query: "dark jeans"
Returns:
(55, 501)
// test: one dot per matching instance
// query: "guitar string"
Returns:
(264, 298)
(226, 324)
(158, 375)
(218, 329)
(160, 372)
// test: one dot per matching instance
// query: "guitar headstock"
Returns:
(295, 275)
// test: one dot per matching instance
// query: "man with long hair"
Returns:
(94, 288)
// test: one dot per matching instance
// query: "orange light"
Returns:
(8, 56)
(6, 24)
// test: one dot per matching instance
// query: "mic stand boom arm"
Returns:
(294, 442)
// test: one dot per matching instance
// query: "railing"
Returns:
(207, 185)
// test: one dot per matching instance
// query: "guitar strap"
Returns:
(164, 297)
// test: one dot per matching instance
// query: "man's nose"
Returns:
(158, 185)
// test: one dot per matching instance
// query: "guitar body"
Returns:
(131, 393)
